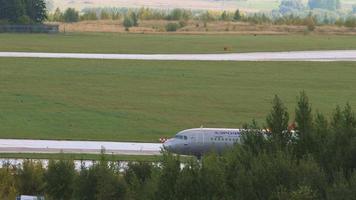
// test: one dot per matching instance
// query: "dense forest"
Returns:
(316, 160)
(22, 11)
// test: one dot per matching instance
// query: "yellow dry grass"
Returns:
(196, 27)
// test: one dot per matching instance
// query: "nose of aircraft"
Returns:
(168, 145)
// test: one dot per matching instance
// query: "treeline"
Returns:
(22, 11)
(315, 158)
(290, 12)
(287, 15)
(142, 14)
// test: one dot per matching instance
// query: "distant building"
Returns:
(37, 28)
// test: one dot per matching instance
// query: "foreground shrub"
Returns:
(172, 27)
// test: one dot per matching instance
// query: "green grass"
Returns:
(78, 157)
(145, 43)
(144, 100)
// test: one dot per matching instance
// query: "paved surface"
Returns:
(326, 56)
(89, 147)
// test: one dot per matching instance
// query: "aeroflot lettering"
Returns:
(227, 133)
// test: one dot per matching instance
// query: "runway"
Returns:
(127, 148)
(85, 147)
(317, 56)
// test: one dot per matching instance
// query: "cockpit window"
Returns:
(179, 137)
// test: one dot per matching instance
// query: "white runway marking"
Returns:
(89, 147)
(321, 56)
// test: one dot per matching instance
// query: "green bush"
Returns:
(24, 20)
(71, 15)
(128, 23)
(172, 27)
(350, 22)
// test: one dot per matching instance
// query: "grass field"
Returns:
(144, 100)
(164, 43)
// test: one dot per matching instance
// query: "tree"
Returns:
(237, 15)
(71, 15)
(134, 18)
(109, 185)
(303, 193)
(323, 140)
(128, 22)
(277, 122)
(168, 178)
(23, 12)
(213, 184)
(224, 16)
(172, 27)
(141, 170)
(30, 178)
(341, 188)
(137, 177)
(36, 10)
(304, 120)
(345, 140)
(85, 184)
(100, 181)
(188, 185)
(89, 15)
(350, 22)
(60, 179)
(4, 9)
(179, 14)
(16, 10)
(7, 182)
(58, 15)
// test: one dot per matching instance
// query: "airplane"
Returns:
(199, 141)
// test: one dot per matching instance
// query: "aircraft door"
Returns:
(199, 142)
(200, 138)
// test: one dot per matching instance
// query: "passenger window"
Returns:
(185, 138)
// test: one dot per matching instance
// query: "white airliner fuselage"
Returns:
(199, 141)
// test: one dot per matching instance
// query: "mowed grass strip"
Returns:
(166, 43)
(66, 156)
(145, 100)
